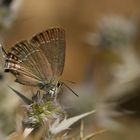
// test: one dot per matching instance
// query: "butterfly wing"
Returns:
(40, 60)
(28, 64)
(52, 43)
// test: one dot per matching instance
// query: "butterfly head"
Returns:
(52, 88)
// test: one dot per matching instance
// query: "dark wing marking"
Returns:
(28, 64)
(52, 43)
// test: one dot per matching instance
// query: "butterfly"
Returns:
(39, 61)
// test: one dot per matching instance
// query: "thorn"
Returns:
(24, 98)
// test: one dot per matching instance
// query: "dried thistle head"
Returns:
(44, 118)
(44, 109)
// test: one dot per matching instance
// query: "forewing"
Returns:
(52, 43)
(28, 63)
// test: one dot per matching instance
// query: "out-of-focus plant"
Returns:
(43, 115)
(9, 10)
(8, 13)
(116, 69)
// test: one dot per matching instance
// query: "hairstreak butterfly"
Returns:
(39, 61)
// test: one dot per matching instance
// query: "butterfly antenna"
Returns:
(3, 51)
(70, 89)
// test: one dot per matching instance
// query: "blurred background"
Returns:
(102, 58)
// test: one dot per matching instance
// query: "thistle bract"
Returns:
(44, 109)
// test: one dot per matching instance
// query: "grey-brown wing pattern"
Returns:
(28, 64)
(52, 43)
(39, 60)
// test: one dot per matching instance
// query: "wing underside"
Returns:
(52, 43)
(38, 60)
